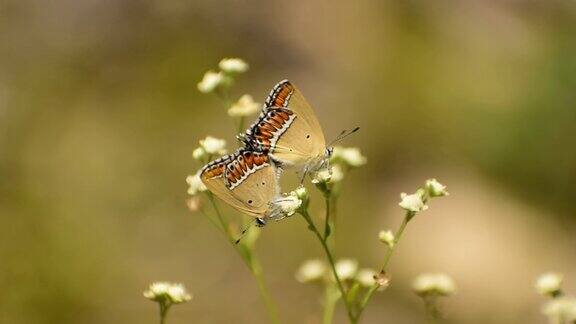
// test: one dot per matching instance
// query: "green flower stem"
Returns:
(328, 228)
(432, 311)
(268, 302)
(251, 262)
(313, 228)
(163, 311)
(241, 124)
(387, 257)
(331, 297)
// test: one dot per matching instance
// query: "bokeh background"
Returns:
(99, 114)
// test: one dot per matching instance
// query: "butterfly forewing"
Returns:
(288, 128)
(245, 180)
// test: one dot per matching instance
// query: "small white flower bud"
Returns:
(245, 106)
(194, 203)
(560, 310)
(434, 284)
(233, 65)
(287, 205)
(413, 202)
(349, 156)
(435, 188)
(311, 270)
(387, 237)
(301, 193)
(333, 174)
(165, 292)
(195, 184)
(199, 153)
(346, 269)
(549, 284)
(210, 81)
(213, 145)
(365, 277)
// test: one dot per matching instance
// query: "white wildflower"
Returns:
(346, 269)
(166, 292)
(549, 284)
(387, 237)
(213, 145)
(199, 153)
(560, 310)
(350, 156)
(233, 65)
(194, 203)
(311, 270)
(435, 188)
(365, 277)
(413, 202)
(245, 106)
(434, 284)
(301, 193)
(195, 184)
(322, 176)
(333, 174)
(210, 81)
(288, 205)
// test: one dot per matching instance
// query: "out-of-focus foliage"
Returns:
(99, 114)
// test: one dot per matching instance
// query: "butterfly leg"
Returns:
(304, 173)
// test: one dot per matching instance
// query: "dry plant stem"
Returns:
(322, 240)
(251, 261)
(387, 257)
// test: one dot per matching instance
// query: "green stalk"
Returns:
(387, 257)
(251, 262)
(163, 312)
(314, 229)
(331, 296)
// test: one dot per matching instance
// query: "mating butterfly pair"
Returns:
(286, 134)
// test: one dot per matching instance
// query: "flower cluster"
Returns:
(434, 284)
(167, 293)
(416, 202)
(216, 81)
(342, 160)
(559, 308)
(348, 271)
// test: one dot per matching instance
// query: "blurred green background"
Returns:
(99, 114)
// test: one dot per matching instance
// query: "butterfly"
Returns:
(288, 130)
(246, 180)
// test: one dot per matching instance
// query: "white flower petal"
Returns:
(311, 270)
(233, 65)
(213, 145)
(210, 81)
(434, 284)
(245, 106)
(195, 184)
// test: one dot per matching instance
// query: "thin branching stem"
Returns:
(385, 262)
(251, 262)
(314, 229)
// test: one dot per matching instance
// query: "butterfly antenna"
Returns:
(259, 222)
(343, 134)
(244, 231)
